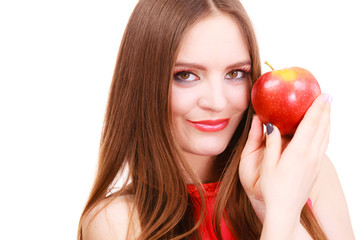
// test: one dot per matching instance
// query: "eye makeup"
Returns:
(186, 75)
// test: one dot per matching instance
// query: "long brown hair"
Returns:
(137, 138)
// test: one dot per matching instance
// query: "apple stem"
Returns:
(269, 65)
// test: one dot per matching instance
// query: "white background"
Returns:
(56, 64)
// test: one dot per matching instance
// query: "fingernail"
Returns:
(269, 128)
(328, 98)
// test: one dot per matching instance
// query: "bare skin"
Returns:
(279, 175)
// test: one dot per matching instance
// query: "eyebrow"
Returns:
(202, 67)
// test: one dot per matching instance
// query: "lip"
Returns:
(210, 125)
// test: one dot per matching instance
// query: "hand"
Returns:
(277, 179)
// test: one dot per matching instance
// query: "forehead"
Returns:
(216, 39)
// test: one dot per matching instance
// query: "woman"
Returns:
(180, 123)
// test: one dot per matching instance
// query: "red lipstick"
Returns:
(210, 125)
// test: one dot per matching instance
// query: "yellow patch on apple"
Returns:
(285, 74)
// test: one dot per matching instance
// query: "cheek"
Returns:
(182, 100)
(239, 98)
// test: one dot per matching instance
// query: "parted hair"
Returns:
(137, 140)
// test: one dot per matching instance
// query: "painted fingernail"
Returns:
(328, 98)
(269, 128)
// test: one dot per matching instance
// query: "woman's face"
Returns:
(211, 86)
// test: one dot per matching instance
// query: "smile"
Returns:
(210, 125)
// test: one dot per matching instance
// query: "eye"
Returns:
(235, 75)
(185, 76)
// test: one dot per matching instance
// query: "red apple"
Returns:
(282, 97)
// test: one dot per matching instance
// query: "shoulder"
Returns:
(327, 173)
(110, 219)
(327, 182)
(329, 203)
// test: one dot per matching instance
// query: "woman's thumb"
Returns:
(272, 151)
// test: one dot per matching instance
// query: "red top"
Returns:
(206, 228)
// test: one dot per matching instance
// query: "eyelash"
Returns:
(184, 81)
(244, 75)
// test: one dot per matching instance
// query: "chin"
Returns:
(210, 149)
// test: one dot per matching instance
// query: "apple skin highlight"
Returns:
(282, 97)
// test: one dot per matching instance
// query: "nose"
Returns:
(213, 97)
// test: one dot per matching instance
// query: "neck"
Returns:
(203, 167)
